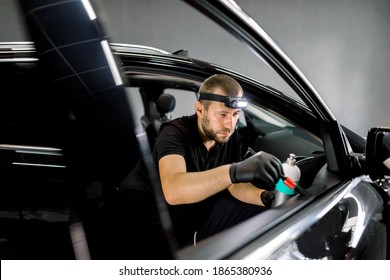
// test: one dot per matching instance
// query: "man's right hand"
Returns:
(261, 168)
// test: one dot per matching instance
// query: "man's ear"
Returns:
(198, 108)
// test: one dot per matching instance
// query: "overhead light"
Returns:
(88, 7)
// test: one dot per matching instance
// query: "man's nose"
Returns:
(229, 121)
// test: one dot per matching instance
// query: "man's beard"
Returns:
(211, 134)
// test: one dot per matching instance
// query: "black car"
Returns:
(78, 112)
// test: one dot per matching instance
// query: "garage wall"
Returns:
(342, 46)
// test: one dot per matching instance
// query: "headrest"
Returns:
(165, 103)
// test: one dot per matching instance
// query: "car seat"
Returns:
(158, 114)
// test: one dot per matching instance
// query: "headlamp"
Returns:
(230, 102)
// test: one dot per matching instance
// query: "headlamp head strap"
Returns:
(230, 102)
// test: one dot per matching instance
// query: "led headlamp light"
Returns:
(230, 102)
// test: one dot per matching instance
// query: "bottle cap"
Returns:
(291, 159)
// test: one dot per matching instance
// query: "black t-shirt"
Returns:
(181, 136)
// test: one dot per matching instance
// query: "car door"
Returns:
(104, 147)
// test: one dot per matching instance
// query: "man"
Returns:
(206, 184)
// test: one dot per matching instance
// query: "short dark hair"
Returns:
(223, 82)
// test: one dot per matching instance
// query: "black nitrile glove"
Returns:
(267, 198)
(262, 168)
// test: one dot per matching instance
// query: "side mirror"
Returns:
(378, 155)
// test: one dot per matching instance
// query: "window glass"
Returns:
(171, 31)
(135, 101)
(185, 100)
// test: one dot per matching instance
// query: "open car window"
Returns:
(193, 40)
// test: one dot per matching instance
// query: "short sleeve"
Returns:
(171, 140)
